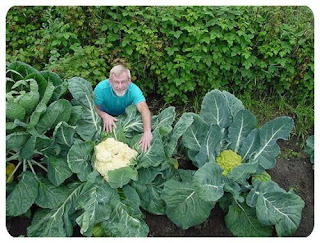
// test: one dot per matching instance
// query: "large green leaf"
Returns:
(275, 206)
(119, 177)
(57, 111)
(149, 187)
(50, 196)
(79, 159)
(60, 87)
(19, 70)
(164, 121)
(249, 145)
(75, 115)
(58, 169)
(195, 134)
(242, 172)
(23, 195)
(234, 104)
(88, 125)
(126, 218)
(179, 129)
(242, 221)
(82, 92)
(47, 223)
(41, 81)
(28, 148)
(252, 196)
(16, 140)
(29, 100)
(35, 116)
(282, 209)
(132, 122)
(269, 133)
(214, 109)
(155, 154)
(41, 107)
(243, 123)
(95, 202)
(56, 222)
(210, 147)
(184, 206)
(15, 111)
(208, 182)
(63, 134)
(147, 175)
(150, 196)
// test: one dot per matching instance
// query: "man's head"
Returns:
(120, 79)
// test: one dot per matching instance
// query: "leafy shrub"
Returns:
(178, 52)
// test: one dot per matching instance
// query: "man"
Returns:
(114, 95)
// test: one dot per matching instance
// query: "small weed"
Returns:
(289, 153)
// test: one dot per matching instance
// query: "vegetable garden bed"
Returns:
(296, 173)
(289, 173)
(209, 195)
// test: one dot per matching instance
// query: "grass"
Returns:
(303, 115)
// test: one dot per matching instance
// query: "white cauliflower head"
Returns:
(111, 154)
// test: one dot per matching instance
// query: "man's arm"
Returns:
(146, 138)
(109, 122)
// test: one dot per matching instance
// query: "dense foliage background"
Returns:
(178, 53)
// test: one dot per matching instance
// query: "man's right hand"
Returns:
(109, 122)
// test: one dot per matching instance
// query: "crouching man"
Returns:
(114, 95)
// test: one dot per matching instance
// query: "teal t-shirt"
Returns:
(108, 101)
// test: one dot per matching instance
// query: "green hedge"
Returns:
(175, 52)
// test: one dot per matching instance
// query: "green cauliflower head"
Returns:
(228, 160)
(111, 154)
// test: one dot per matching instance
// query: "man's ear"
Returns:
(129, 80)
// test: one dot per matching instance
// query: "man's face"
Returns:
(120, 83)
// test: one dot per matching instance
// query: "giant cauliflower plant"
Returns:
(229, 149)
(111, 154)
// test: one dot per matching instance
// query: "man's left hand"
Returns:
(145, 141)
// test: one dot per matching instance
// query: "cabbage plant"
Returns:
(229, 148)
(59, 136)
(34, 109)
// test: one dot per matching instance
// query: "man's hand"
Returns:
(146, 138)
(145, 141)
(109, 122)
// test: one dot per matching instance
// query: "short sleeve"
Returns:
(98, 98)
(137, 95)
